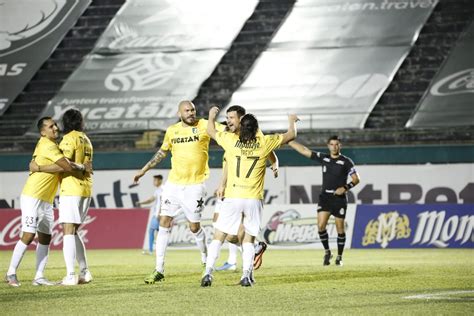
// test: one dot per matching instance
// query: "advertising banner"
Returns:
(129, 92)
(282, 227)
(317, 23)
(414, 226)
(175, 25)
(380, 184)
(324, 87)
(30, 31)
(331, 61)
(449, 99)
(102, 229)
(153, 55)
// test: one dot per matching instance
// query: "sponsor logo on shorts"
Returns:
(341, 211)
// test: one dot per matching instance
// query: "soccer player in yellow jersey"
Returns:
(245, 154)
(75, 196)
(184, 190)
(36, 202)
(233, 115)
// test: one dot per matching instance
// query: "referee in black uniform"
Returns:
(333, 199)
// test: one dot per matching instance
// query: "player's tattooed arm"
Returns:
(157, 157)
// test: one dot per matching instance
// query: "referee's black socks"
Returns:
(324, 237)
(341, 242)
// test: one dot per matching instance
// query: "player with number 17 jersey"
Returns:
(246, 163)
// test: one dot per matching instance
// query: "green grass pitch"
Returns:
(289, 282)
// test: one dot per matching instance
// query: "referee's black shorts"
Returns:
(334, 204)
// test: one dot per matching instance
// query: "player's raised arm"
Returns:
(211, 123)
(305, 151)
(157, 158)
(291, 133)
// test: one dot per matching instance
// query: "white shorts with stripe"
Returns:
(188, 199)
(73, 209)
(230, 216)
(218, 205)
(36, 215)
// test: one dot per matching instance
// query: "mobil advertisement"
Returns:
(414, 226)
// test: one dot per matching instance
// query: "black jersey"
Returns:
(335, 170)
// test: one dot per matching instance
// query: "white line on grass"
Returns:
(442, 296)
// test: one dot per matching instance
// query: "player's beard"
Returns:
(190, 120)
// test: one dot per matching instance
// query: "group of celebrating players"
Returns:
(240, 193)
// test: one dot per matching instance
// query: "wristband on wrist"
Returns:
(349, 186)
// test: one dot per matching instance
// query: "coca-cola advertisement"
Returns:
(102, 229)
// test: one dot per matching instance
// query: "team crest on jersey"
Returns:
(195, 130)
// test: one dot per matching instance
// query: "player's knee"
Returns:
(321, 227)
(232, 239)
(27, 238)
(194, 227)
(165, 221)
(44, 239)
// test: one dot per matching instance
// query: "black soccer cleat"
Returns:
(339, 261)
(245, 282)
(206, 281)
(327, 259)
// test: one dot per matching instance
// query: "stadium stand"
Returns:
(385, 124)
(54, 72)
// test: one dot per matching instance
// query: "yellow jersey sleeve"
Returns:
(166, 145)
(272, 142)
(78, 148)
(42, 185)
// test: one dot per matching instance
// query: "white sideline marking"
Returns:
(441, 296)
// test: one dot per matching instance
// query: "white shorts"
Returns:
(218, 205)
(230, 216)
(186, 198)
(36, 215)
(73, 209)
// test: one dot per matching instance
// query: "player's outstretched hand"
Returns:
(293, 117)
(275, 172)
(138, 176)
